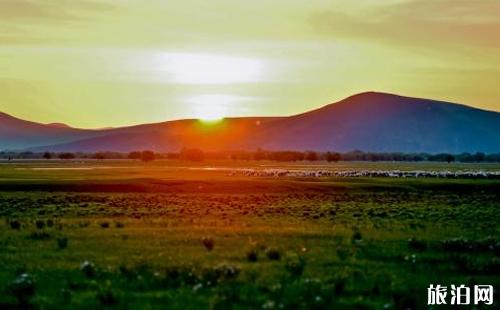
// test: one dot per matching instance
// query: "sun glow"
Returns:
(189, 68)
(213, 107)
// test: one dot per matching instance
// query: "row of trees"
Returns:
(191, 154)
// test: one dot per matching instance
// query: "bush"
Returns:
(208, 243)
(107, 296)
(357, 237)
(414, 244)
(15, 224)
(252, 255)
(62, 243)
(226, 272)
(295, 264)
(104, 224)
(273, 254)
(39, 224)
(88, 269)
(39, 235)
(23, 288)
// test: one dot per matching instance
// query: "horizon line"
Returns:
(69, 126)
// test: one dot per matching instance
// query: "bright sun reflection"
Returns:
(190, 68)
(213, 107)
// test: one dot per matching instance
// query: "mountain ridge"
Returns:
(369, 121)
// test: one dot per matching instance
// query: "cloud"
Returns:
(25, 21)
(51, 10)
(437, 23)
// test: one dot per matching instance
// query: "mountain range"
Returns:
(370, 121)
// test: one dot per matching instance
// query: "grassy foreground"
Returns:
(179, 238)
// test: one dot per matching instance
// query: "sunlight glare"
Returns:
(189, 68)
(213, 107)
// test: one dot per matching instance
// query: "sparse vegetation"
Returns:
(214, 241)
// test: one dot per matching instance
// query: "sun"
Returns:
(213, 107)
(210, 107)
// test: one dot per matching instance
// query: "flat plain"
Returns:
(183, 235)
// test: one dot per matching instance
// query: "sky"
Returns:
(95, 64)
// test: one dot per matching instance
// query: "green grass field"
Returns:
(176, 235)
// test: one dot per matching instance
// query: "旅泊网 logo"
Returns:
(459, 295)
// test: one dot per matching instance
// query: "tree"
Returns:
(192, 154)
(259, 154)
(147, 156)
(66, 156)
(99, 155)
(449, 158)
(134, 155)
(47, 155)
(311, 156)
(335, 157)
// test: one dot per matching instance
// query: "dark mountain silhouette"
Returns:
(59, 125)
(16, 134)
(369, 121)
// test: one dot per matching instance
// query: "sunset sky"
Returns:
(120, 62)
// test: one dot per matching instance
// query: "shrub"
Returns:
(88, 269)
(343, 253)
(252, 255)
(107, 296)
(15, 224)
(226, 272)
(104, 224)
(273, 254)
(62, 243)
(357, 237)
(23, 288)
(295, 264)
(39, 235)
(39, 224)
(417, 245)
(208, 243)
(340, 285)
(119, 225)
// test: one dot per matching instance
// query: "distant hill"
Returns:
(369, 121)
(18, 134)
(58, 125)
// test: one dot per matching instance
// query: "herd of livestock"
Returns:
(476, 174)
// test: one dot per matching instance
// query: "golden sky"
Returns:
(121, 62)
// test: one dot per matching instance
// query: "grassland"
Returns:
(172, 235)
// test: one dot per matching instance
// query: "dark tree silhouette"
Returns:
(449, 158)
(335, 157)
(66, 156)
(134, 155)
(192, 154)
(311, 156)
(147, 156)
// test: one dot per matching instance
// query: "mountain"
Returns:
(384, 122)
(368, 121)
(17, 134)
(58, 125)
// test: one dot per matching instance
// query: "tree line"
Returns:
(193, 154)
